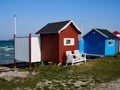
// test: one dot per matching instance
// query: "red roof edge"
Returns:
(117, 33)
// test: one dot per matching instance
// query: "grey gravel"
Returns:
(13, 74)
(113, 85)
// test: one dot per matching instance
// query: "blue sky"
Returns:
(34, 14)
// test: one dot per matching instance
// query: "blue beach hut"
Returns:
(100, 41)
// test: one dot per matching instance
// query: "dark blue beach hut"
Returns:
(99, 41)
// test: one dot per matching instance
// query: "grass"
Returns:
(54, 77)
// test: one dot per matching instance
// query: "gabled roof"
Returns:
(56, 27)
(105, 33)
(117, 34)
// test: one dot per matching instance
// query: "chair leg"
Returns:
(72, 63)
(66, 64)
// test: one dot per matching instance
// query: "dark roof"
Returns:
(55, 27)
(106, 33)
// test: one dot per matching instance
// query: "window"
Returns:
(68, 41)
(110, 43)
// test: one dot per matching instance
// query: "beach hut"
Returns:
(117, 33)
(56, 39)
(100, 42)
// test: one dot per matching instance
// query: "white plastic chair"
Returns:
(80, 56)
(70, 58)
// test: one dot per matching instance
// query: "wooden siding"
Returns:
(49, 47)
(117, 46)
(94, 43)
(52, 45)
(69, 32)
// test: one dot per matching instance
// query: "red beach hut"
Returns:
(117, 33)
(56, 39)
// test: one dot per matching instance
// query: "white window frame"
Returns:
(110, 42)
(69, 41)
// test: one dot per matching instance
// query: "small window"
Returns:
(68, 41)
(110, 43)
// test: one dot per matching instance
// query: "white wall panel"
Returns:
(36, 52)
(22, 49)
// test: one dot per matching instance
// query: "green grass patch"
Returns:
(100, 70)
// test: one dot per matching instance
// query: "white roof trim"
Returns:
(101, 33)
(67, 25)
(118, 35)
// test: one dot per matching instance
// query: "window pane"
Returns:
(68, 41)
(110, 43)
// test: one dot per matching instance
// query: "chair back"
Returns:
(77, 54)
(68, 54)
